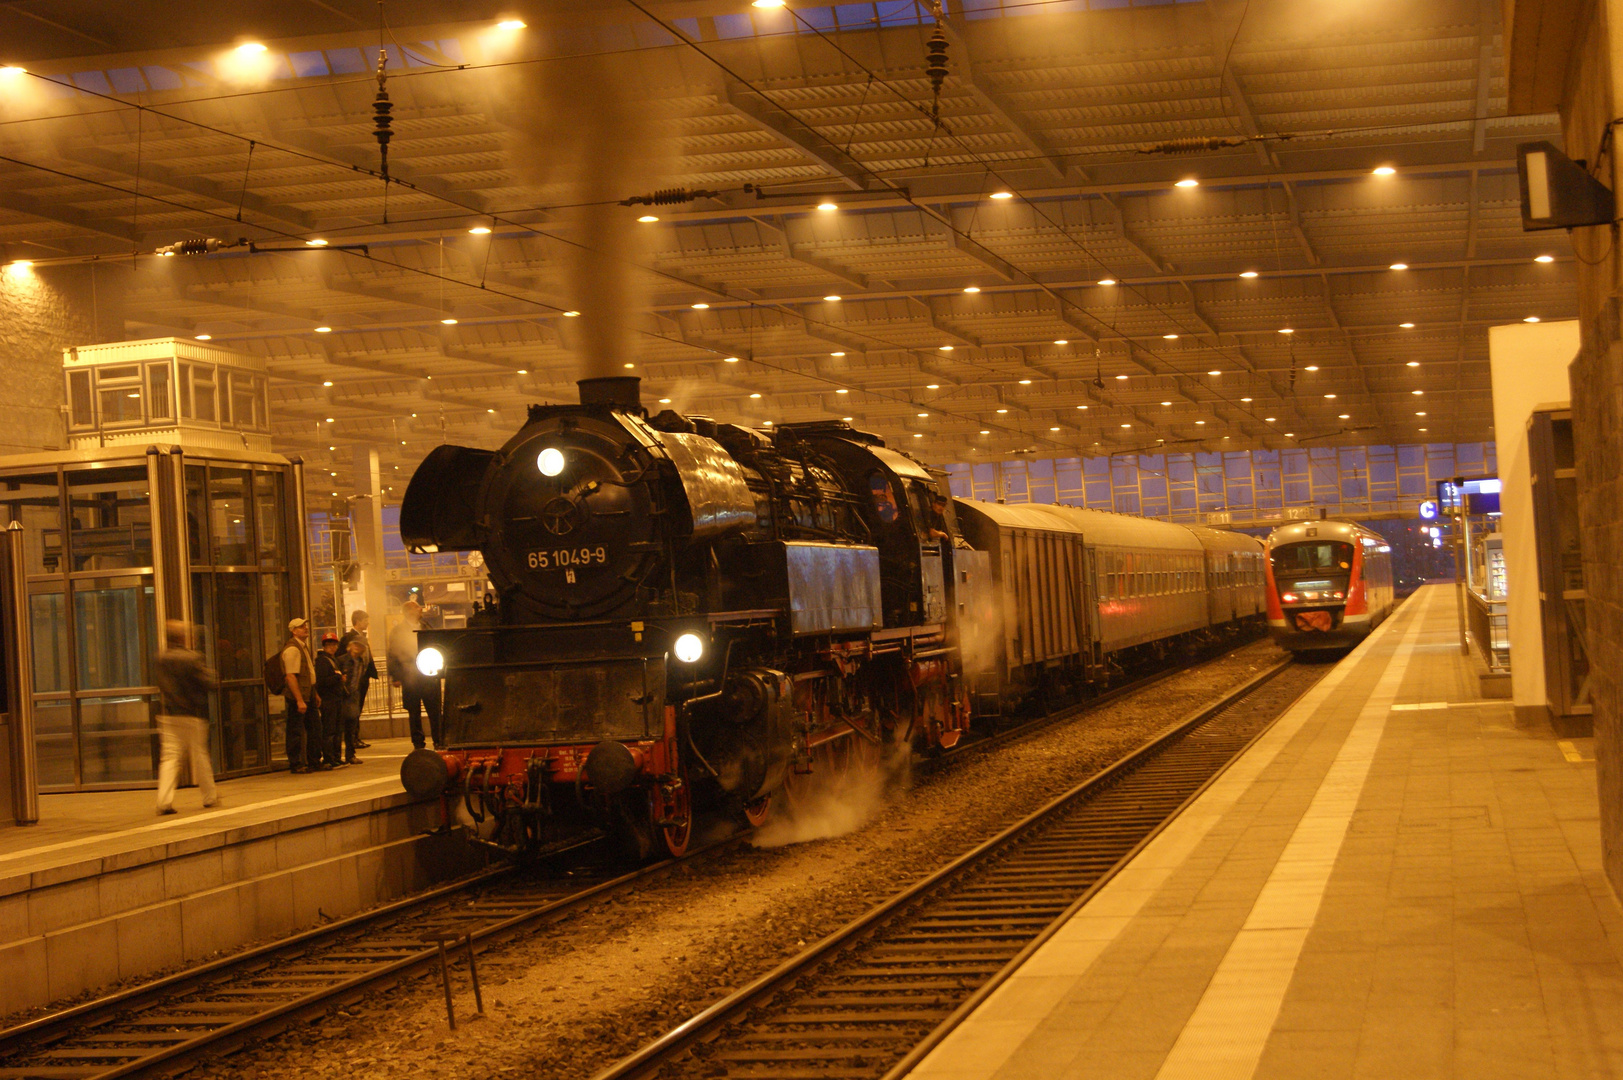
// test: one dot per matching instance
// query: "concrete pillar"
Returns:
(1529, 364)
(43, 310)
(366, 512)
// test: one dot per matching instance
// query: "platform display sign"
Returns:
(1428, 510)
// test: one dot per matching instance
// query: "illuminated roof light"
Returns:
(1311, 367)
(448, 322)
(933, 386)
(828, 207)
(1268, 419)
(701, 307)
(1121, 378)
(631, 365)
(1290, 434)
(323, 329)
(1248, 273)
(1417, 393)
(1531, 319)
(1214, 372)
(1084, 408)
(1187, 182)
(986, 431)
(1062, 341)
(1345, 416)
(315, 243)
(329, 419)
(1398, 266)
(1025, 382)
(1169, 337)
(1166, 403)
(1420, 414)
(1330, 397)
(664, 401)
(1001, 195)
(1425, 429)
(1385, 170)
(1247, 399)
(480, 230)
(1287, 330)
(510, 24)
(729, 359)
(922, 415)
(523, 371)
(831, 297)
(1412, 363)
(1127, 425)
(1200, 423)
(571, 314)
(250, 48)
(1002, 411)
(1054, 428)
(945, 348)
(766, 3)
(327, 383)
(648, 219)
(13, 69)
(916, 434)
(1544, 258)
(490, 410)
(836, 354)
(755, 395)
(1406, 325)
(1107, 281)
(972, 288)
(842, 390)
(847, 419)
(204, 337)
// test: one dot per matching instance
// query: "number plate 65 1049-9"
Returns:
(562, 558)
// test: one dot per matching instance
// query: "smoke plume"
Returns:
(591, 136)
(837, 804)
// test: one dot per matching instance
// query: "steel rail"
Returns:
(646, 1061)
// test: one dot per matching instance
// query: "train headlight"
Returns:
(1289, 598)
(431, 662)
(688, 648)
(550, 461)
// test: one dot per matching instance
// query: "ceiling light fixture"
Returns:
(933, 386)
(1084, 408)
(755, 395)
(945, 348)
(766, 3)
(701, 307)
(1268, 419)
(323, 329)
(1062, 341)
(828, 207)
(922, 415)
(1127, 425)
(1417, 393)
(1121, 378)
(1187, 182)
(836, 354)
(1169, 337)
(831, 298)
(1398, 266)
(1002, 195)
(327, 383)
(1420, 413)
(1025, 382)
(1311, 367)
(510, 24)
(1406, 325)
(648, 219)
(842, 390)
(523, 371)
(972, 288)
(480, 230)
(1200, 423)
(1248, 274)
(1002, 411)
(1412, 363)
(1107, 281)
(1329, 397)
(1054, 428)
(1214, 372)
(1166, 403)
(1246, 399)
(1531, 319)
(729, 359)
(1345, 416)
(204, 337)
(571, 314)
(1287, 330)
(250, 48)
(1384, 170)
(448, 322)
(315, 243)
(1544, 258)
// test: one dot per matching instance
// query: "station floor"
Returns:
(79, 827)
(1395, 881)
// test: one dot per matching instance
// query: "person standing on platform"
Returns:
(417, 692)
(184, 682)
(303, 717)
(359, 624)
(353, 663)
(330, 694)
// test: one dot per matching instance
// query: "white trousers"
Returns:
(179, 736)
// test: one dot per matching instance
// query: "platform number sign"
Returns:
(1428, 510)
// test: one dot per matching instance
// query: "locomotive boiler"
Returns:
(685, 610)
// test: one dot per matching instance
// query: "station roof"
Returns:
(1258, 307)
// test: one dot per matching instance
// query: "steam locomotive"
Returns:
(689, 612)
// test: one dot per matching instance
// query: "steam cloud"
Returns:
(602, 134)
(837, 805)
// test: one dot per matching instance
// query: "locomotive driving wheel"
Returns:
(757, 812)
(670, 810)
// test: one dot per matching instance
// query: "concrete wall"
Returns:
(1591, 56)
(43, 310)
(1529, 370)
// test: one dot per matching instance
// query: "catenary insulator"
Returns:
(1192, 145)
(381, 107)
(669, 197)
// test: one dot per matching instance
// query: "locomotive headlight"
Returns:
(688, 648)
(550, 461)
(431, 662)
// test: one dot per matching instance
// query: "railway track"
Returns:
(163, 1026)
(871, 999)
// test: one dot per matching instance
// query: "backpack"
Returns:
(275, 674)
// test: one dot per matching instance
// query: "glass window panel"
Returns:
(183, 390)
(196, 514)
(244, 400)
(35, 501)
(53, 743)
(121, 405)
(203, 617)
(113, 634)
(203, 401)
(242, 730)
(48, 619)
(117, 739)
(159, 397)
(228, 516)
(81, 402)
(273, 611)
(110, 518)
(268, 519)
(236, 626)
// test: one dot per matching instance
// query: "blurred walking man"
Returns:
(417, 691)
(184, 682)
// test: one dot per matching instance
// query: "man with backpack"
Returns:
(298, 668)
(184, 682)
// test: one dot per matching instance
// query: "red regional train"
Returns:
(1329, 584)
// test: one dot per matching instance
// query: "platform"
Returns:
(103, 889)
(1394, 881)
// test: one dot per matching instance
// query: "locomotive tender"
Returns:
(1329, 584)
(690, 611)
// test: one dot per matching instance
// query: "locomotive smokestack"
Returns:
(619, 391)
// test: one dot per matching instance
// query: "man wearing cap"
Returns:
(303, 716)
(330, 691)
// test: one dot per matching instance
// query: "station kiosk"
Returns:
(168, 504)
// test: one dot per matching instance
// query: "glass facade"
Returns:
(94, 584)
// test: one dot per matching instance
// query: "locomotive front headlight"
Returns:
(550, 461)
(431, 662)
(688, 648)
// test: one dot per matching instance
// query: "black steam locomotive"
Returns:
(690, 611)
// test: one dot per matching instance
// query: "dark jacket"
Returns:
(329, 677)
(184, 682)
(403, 655)
(367, 663)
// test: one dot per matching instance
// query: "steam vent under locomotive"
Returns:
(694, 613)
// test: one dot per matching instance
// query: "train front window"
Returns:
(1315, 557)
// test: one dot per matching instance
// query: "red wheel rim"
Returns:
(758, 811)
